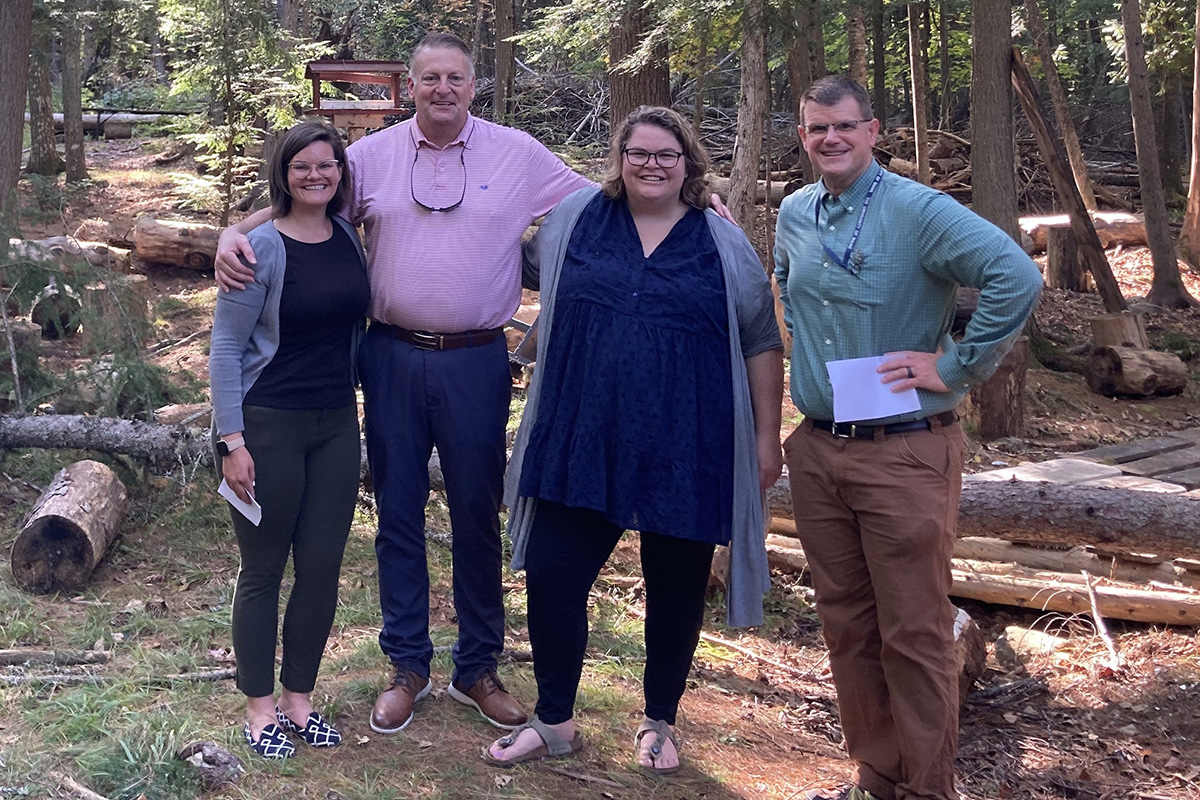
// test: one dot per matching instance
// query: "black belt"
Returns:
(425, 340)
(854, 430)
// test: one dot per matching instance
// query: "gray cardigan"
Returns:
(752, 330)
(245, 335)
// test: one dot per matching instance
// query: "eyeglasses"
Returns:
(842, 128)
(412, 186)
(300, 168)
(640, 158)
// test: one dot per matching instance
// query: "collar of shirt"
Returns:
(853, 197)
(463, 136)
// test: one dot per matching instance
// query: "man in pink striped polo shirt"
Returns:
(443, 199)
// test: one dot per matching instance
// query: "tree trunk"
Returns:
(183, 244)
(702, 76)
(816, 39)
(996, 408)
(856, 34)
(506, 26)
(944, 63)
(752, 110)
(1058, 99)
(920, 91)
(1068, 194)
(43, 153)
(1132, 372)
(1167, 289)
(647, 85)
(1169, 125)
(1063, 269)
(69, 529)
(15, 20)
(1188, 245)
(879, 63)
(799, 79)
(72, 95)
(994, 190)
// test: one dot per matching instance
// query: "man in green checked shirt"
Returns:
(868, 264)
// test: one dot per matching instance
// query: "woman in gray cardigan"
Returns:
(655, 407)
(286, 421)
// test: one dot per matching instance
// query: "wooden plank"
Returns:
(1173, 462)
(1190, 478)
(1060, 470)
(1137, 483)
(1135, 450)
(1189, 435)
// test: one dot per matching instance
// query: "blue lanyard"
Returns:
(846, 262)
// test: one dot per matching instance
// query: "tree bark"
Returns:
(752, 110)
(816, 40)
(944, 63)
(879, 63)
(43, 152)
(994, 189)
(856, 34)
(702, 76)
(183, 244)
(72, 95)
(920, 91)
(799, 79)
(1068, 194)
(646, 85)
(506, 27)
(1063, 270)
(1131, 372)
(1166, 289)
(69, 529)
(16, 17)
(162, 445)
(1058, 99)
(996, 408)
(1188, 245)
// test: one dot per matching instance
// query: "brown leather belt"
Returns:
(426, 340)
(853, 430)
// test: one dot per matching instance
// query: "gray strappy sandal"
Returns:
(664, 731)
(553, 745)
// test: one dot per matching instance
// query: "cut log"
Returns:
(56, 311)
(1063, 268)
(1125, 371)
(903, 167)
(115, 311)
(1074, 561)
(60, 250)
(1032, 511)
(1112, 228)
(182, 244)
(69, 529)
(720, 185)
(996, 408)
(1122, 329)
(162, 445)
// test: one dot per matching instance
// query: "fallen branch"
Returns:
(79, 679)
(9, 658)
(1115, 662)
(71, 785)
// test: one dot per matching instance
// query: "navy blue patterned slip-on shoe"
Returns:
(272, 742)
(316, 731)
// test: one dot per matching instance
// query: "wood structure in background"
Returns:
(171, 241)
(996, 407)
(1123, 329)
(1054, 158)
(1130, 372)
(69, 529)
(358, 116)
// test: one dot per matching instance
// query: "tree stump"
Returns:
(69, 529)
(970, 652)
(996, 408)
(56, 311)
(1121, 329)
(115, 311)
(183, 244)
(1064, 270)
(1129, 372)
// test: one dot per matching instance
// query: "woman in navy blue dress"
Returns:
(655, 407)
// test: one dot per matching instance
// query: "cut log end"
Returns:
(53, 554)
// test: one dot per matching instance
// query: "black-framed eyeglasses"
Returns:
(412, 186)
(640, 158)
(842, 128)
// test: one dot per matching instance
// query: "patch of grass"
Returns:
(1180, 344)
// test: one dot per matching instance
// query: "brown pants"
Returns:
(877, 520)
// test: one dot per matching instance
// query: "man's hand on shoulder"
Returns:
(231, 272)
(718, 205)
(909, 369)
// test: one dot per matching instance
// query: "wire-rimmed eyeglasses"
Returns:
(640, 158)
(841, 128)
(324, 168)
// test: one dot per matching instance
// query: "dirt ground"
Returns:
(761, 722)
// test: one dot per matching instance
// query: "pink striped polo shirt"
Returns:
(460, 269)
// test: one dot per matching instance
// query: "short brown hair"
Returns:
(439, 39)
(695, 191)
(296, 139)
(830, 90)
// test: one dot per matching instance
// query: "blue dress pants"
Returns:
(456, 400)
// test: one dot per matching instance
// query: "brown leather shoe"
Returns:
(394, 706)
(489, 697)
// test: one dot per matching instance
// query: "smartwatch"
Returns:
(224, 448)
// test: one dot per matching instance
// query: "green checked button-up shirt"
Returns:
(917, 245)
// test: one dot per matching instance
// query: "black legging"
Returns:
(567, 547)
(306, 467)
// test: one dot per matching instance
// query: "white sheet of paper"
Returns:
(858, 392)
(251, 511)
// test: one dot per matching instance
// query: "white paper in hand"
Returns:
(858, 392)
(251, 511)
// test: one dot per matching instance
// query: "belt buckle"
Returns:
(848, 427)
(424, 340)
